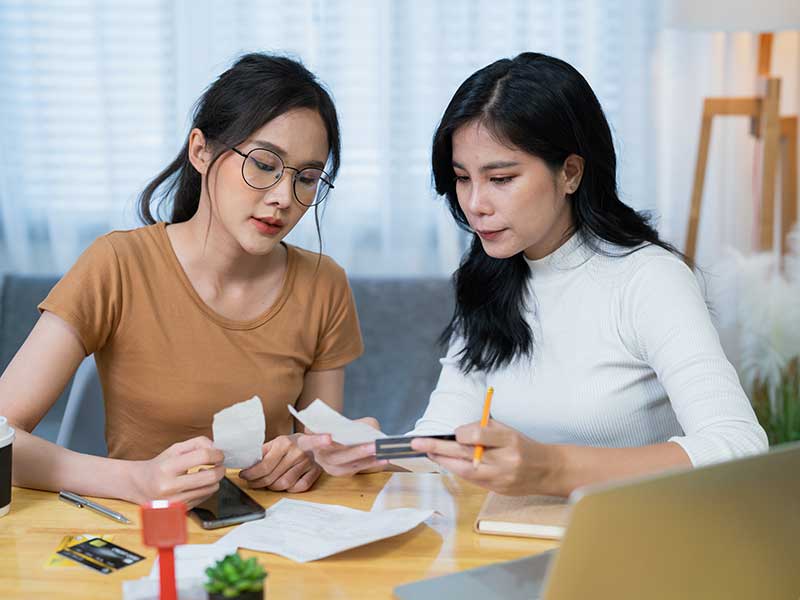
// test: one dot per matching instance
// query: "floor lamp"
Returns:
(778, 133)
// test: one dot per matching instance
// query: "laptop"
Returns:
(726, 531)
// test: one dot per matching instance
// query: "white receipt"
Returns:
(149, 589)
(239, 433)
(437, 496)
(305, 531)
(321, 418)
(191, 560)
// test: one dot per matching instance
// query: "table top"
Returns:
(38, 521)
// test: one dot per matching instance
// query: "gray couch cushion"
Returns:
(401, 320)
(19, 296)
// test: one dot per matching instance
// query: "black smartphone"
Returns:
(228, 506)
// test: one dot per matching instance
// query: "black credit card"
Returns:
(106, 553)
(400, 447)
(82, 560)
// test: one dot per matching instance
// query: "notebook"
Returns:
(525, 516)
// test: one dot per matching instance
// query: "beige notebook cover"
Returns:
(526, 516)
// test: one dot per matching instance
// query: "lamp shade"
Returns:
(733, 15)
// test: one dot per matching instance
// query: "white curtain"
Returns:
(86, 115)
(95, 97)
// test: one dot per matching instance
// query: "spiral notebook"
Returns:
(525, 516)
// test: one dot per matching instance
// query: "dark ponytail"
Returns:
(543, 106)
(255, 90)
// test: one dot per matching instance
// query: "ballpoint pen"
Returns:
(80, 502)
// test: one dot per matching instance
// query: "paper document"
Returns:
(148, 589)
(239, 433)
(305, 531)
(321, 418)
(435, 492)
(417, 465)
(191, 560)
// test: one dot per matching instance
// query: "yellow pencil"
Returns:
(476, 457)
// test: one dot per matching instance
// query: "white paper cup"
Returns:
(6, 442)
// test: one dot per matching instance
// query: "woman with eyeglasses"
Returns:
(592, 331)
(189, 316)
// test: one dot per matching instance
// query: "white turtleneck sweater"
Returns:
(625, 355)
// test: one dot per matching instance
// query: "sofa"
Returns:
(401, 320)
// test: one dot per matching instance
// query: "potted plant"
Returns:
(778, 406)
(234, 577)
(766, 321)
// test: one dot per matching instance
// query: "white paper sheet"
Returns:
(239, 433)
(437, 497)
(321, 418)
(419, 464)
(148, 589)
(305, 531)
(191, 560)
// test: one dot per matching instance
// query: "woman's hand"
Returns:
(167, 476)
(512, 464)
(287, 465)
(341, 460)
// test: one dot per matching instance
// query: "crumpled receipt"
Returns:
(239, 433)
(321, 418)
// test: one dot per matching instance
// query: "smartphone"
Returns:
(228, 506)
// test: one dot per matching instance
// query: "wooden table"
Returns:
(38, 520)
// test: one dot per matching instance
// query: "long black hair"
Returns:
(543, 106)
(255, 90)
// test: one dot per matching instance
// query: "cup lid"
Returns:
(6, 432)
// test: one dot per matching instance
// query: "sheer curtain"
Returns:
(95, 97)
(86, 114)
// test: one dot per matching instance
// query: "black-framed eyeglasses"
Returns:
(262, 169)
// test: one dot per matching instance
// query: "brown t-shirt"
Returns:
(167, 362)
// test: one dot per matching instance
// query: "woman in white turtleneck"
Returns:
(592, 331)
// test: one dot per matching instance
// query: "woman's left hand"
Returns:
(512, 464)
(284, 466)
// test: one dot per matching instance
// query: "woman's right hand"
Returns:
(340, 460)
(167, 477)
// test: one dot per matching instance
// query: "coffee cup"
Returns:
(6, 441)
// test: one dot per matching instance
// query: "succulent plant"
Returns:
(233, 576)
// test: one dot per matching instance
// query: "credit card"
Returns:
(106, 553)
(400, 447)
(57, 560)
(84, 561)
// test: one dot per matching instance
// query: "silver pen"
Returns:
(80, 502)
